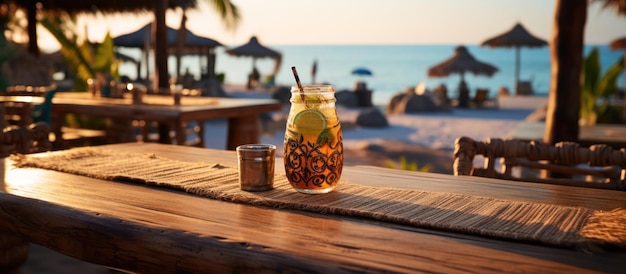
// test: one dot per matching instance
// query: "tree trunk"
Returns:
(31, 18)
(161, 77)
(180, 42)
(566, 51)
(160, 47)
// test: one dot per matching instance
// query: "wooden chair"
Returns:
(68, 137)
(149, 130)
(19, 134)
(598, 166)
(150, 133)
(17, 113)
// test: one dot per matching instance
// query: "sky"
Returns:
(331, 22)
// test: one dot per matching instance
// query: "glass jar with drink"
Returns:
(313, 148)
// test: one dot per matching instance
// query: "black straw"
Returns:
(295, 75)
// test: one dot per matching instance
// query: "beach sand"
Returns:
(426, 139)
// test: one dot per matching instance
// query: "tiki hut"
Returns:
(109, 6)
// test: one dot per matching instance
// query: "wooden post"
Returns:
(31, 18)
(159, 32)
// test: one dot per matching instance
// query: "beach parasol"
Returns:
(255, 50)
(516, 38)
(362, 72)
(460, 63)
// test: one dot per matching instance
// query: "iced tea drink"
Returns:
(313, 149)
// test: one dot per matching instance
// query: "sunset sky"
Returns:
(281, 22)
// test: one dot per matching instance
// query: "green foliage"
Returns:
(220, 77)
(7, 50)
(86, 60)
(596, 86)
(405, 165)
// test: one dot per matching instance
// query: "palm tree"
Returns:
(566, 55)
(618, 5)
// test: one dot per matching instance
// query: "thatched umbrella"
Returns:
(516, 38)
(460, 63)
(255, 50)
(193, 44)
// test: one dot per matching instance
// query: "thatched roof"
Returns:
(619, 44)
(137, 39)
(254, 49)
(461, 62)
(100, 6)
(518, 36)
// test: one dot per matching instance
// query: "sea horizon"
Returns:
(395, 67)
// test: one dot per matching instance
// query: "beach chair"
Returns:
(565, 163)
(524, 88)
(482, 99)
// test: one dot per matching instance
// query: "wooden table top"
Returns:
(155, 107)
(150, 229)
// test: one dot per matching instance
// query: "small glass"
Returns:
(256, 166)
(313, 148)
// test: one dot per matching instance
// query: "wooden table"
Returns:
(242, 114)
(155, 230)
(613, 135)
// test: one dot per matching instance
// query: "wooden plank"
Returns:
(148, 229)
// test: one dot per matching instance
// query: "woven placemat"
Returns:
(572, 227)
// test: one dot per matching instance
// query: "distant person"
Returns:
(253, 78)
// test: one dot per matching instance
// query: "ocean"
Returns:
(394, 67)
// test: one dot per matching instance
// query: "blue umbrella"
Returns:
(361, 72)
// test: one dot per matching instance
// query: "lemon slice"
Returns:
(310, 122)
(325, 137)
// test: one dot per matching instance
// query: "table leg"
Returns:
(119, 131)
(57, 124)
(243, 130)
(13, 253)
(164, 133)
(181, 133)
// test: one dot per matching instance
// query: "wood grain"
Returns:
(147, 229)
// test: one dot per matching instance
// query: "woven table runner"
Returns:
(572, 227)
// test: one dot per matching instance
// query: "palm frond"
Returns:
(228, 11)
